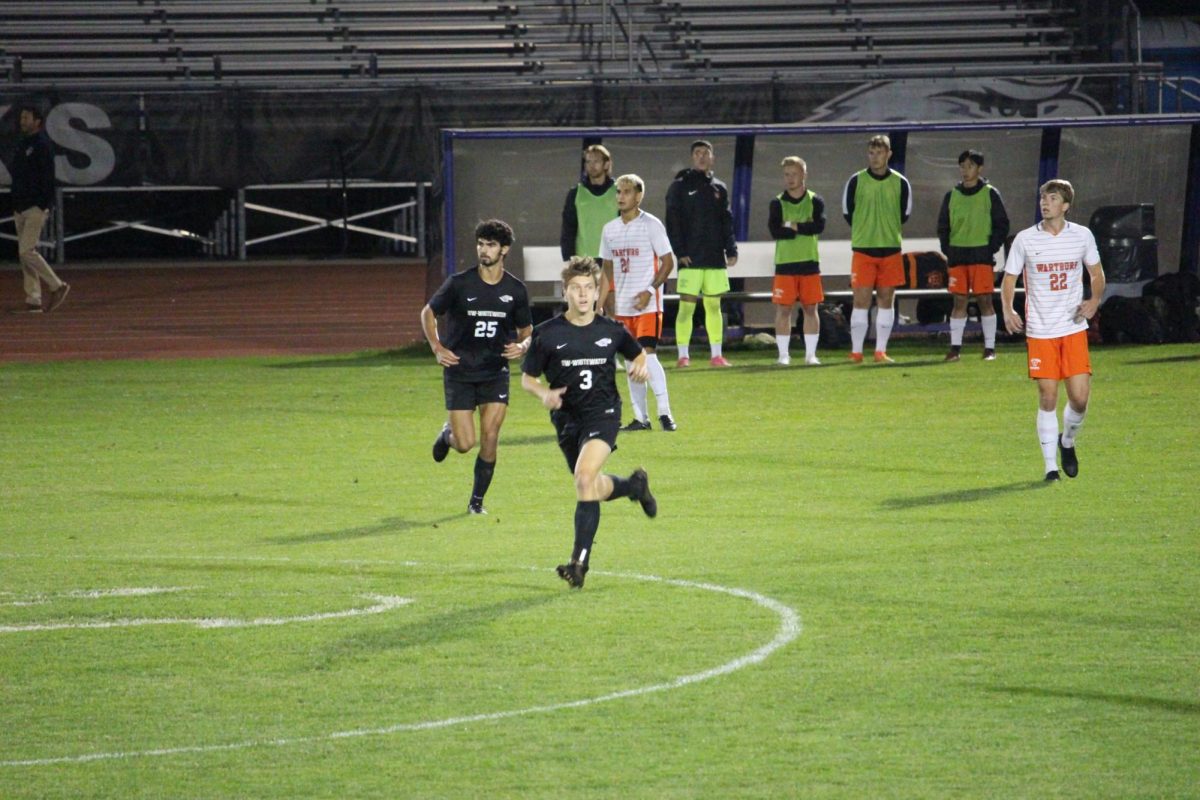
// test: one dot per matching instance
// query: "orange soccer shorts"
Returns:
(875, 271)
(787, 289)
(643, 326)
(972, 279)
(1059, 358)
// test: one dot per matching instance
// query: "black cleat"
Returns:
(639, 489)
(573, 573)
(989, 354)
(953, 355)
(636, 425)
(1070, 463)
(668, 423)
(476, 507)
(1052, 476)
(441, 445)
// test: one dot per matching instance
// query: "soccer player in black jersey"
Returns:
(488, 322)
(576, 352)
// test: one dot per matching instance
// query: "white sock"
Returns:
(637, 396)
(658, 383)
(957, 326)
(1072, 422)
(1047, 429)
(884, 318)
(989, 331)
(858, 328)
(716, 349)
(683, 351)
(810, 345)
(783, 341)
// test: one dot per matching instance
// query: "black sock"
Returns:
(620, 487)
(483, 478)
(587, 521)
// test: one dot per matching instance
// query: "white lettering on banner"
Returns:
(100, 156)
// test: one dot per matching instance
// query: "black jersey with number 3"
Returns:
(581, 357)
(480, 319)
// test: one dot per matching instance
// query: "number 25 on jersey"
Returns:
(485, 328)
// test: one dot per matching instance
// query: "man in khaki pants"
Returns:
(32, 196)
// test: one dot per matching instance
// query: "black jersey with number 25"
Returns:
(480, 319)
(581, 357)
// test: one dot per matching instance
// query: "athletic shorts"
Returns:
(644, 326)
(707, 282)
(787, 289)
(574, 434)
(467, 395)
(972, 279)
(876, 272)
(1059, 358)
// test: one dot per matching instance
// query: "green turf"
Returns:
(966, 630)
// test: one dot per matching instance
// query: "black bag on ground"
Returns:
(1141, 320)
(1179, 292)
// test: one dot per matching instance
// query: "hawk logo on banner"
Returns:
(85, 158)
(960, 98)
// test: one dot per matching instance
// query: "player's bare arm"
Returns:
(637, 369)
(666, 267)
(605, 283)
(1087, 309)
(519, 347)
(1008, 291)
(551, 398)
(444, 355)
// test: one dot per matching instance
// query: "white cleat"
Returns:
(784, 361)
(812, 361)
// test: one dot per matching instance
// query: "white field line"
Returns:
(382, 603)
(789, 629)
(92, 594)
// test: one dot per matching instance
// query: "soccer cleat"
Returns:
(639, 490)
(684, 362)
(812, 361)
(57, 297)
(856, 358)
(573, 573)
(636, 425)
(441, 445)
(719, 361)
(989, 354)
(1070, 462)
(883, 358)
(667, 422)
(476, 507)
(953, 355)
(1052, 476)
(784, 361)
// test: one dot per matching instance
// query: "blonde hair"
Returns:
(629, 179)
(794, 161)
(880, 140)
(579, 267)
(1060, 187)
(603, 152)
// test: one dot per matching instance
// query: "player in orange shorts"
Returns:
(1052, 256)
(972, 225)
(876, 202)
(637, 262)
(795, 219)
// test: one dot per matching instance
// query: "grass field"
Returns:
(247, 578)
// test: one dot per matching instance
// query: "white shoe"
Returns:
(784, 361)
(812, 361)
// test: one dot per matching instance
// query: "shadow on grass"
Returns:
(386, 526)
(198, 498)
(521, 441)
(1133, 700)
(1167, 359)
(961, 496)
(449, 627)
(387, 358)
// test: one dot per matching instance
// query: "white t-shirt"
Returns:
(636, 249)
(1053, 268)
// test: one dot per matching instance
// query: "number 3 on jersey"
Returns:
(586, 379)
(485, 328)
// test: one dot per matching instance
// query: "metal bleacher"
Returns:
(174, 42)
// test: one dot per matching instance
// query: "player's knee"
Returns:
(585, 484)
(464, 443)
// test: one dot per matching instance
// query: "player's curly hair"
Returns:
(495, 230)
(580, 266)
